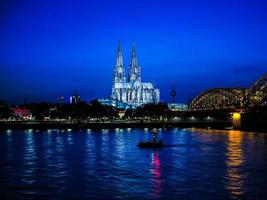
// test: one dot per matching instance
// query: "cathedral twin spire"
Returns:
(134, 58)
(119, 71)
(134, 68)
(119, 55)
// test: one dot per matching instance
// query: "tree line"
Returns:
(83, 110)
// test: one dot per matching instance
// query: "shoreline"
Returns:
(43, 125)
(121, 124)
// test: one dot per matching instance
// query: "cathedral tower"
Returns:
(134, 68)
(119, 77)
(119, 71)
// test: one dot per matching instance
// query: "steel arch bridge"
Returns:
(228, 98)
(257, 93)
(219, 98)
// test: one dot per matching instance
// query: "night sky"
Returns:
(51, 48)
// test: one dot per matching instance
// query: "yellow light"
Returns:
(236, 120)
(236, 116)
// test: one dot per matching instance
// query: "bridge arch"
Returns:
(218, 98)
(257, 93)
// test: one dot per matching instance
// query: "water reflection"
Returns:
(156, 179)
(92, 165)
(105, 131)
(119, 146)
(60, 163)
(146, 130)
(30, 153)
(175, 130)
(69, 139)
(9, 135)
(29, 159)
(8, 131)
(235, 159)
(9, 145)
(47, 143)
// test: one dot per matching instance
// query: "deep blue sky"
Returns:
(51, 48)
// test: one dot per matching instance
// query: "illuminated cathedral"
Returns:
(131, 90)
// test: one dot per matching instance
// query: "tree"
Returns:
(5, 111)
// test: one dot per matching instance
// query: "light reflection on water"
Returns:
(234, 162)
(105, 130)
(69, 139)
(106, 164)
(29, 164)
(156, 179)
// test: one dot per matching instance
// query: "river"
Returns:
(106, 164)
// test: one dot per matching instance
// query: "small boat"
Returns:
(149, 144)
(154, 144)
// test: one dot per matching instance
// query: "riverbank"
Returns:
(40, 125)
(79, 125)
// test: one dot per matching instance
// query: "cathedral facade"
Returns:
(130, 89)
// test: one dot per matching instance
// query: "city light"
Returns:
(236, 116)
(236, 120)
(192, 118)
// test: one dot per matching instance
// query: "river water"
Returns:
(106, 164)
